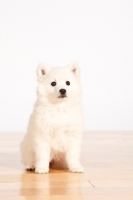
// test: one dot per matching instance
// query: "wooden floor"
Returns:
(106, 156)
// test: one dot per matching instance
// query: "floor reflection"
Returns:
(56, 182)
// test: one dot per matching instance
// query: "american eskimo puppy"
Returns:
(56, 125)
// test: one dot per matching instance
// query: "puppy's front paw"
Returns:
(30, 167)
(41, 170)
(77, 168)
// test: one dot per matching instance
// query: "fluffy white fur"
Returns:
(56, 125)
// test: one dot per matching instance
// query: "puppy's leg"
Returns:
(42, 156)
(28, 158)
(73, 155)
(30, 164)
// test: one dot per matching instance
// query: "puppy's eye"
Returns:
(67, 83)
(53, 83)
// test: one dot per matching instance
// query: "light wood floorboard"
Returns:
(106, 155)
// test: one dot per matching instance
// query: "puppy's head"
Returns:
(59, 83)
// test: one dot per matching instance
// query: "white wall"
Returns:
(97, 33)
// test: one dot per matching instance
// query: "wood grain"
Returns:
(106, 155)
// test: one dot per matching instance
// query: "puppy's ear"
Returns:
(42, 70)
(74, 67)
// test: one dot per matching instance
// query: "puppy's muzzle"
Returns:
(62, 93)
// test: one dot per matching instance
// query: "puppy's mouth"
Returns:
(62, 96)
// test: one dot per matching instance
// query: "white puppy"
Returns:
(56, 125)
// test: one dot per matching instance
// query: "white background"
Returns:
(97, 33)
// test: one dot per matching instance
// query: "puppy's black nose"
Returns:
(62, 91)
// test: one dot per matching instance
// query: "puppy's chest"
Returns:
(51, 119)
(58, 124)
(58, 117)
(58, 140)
